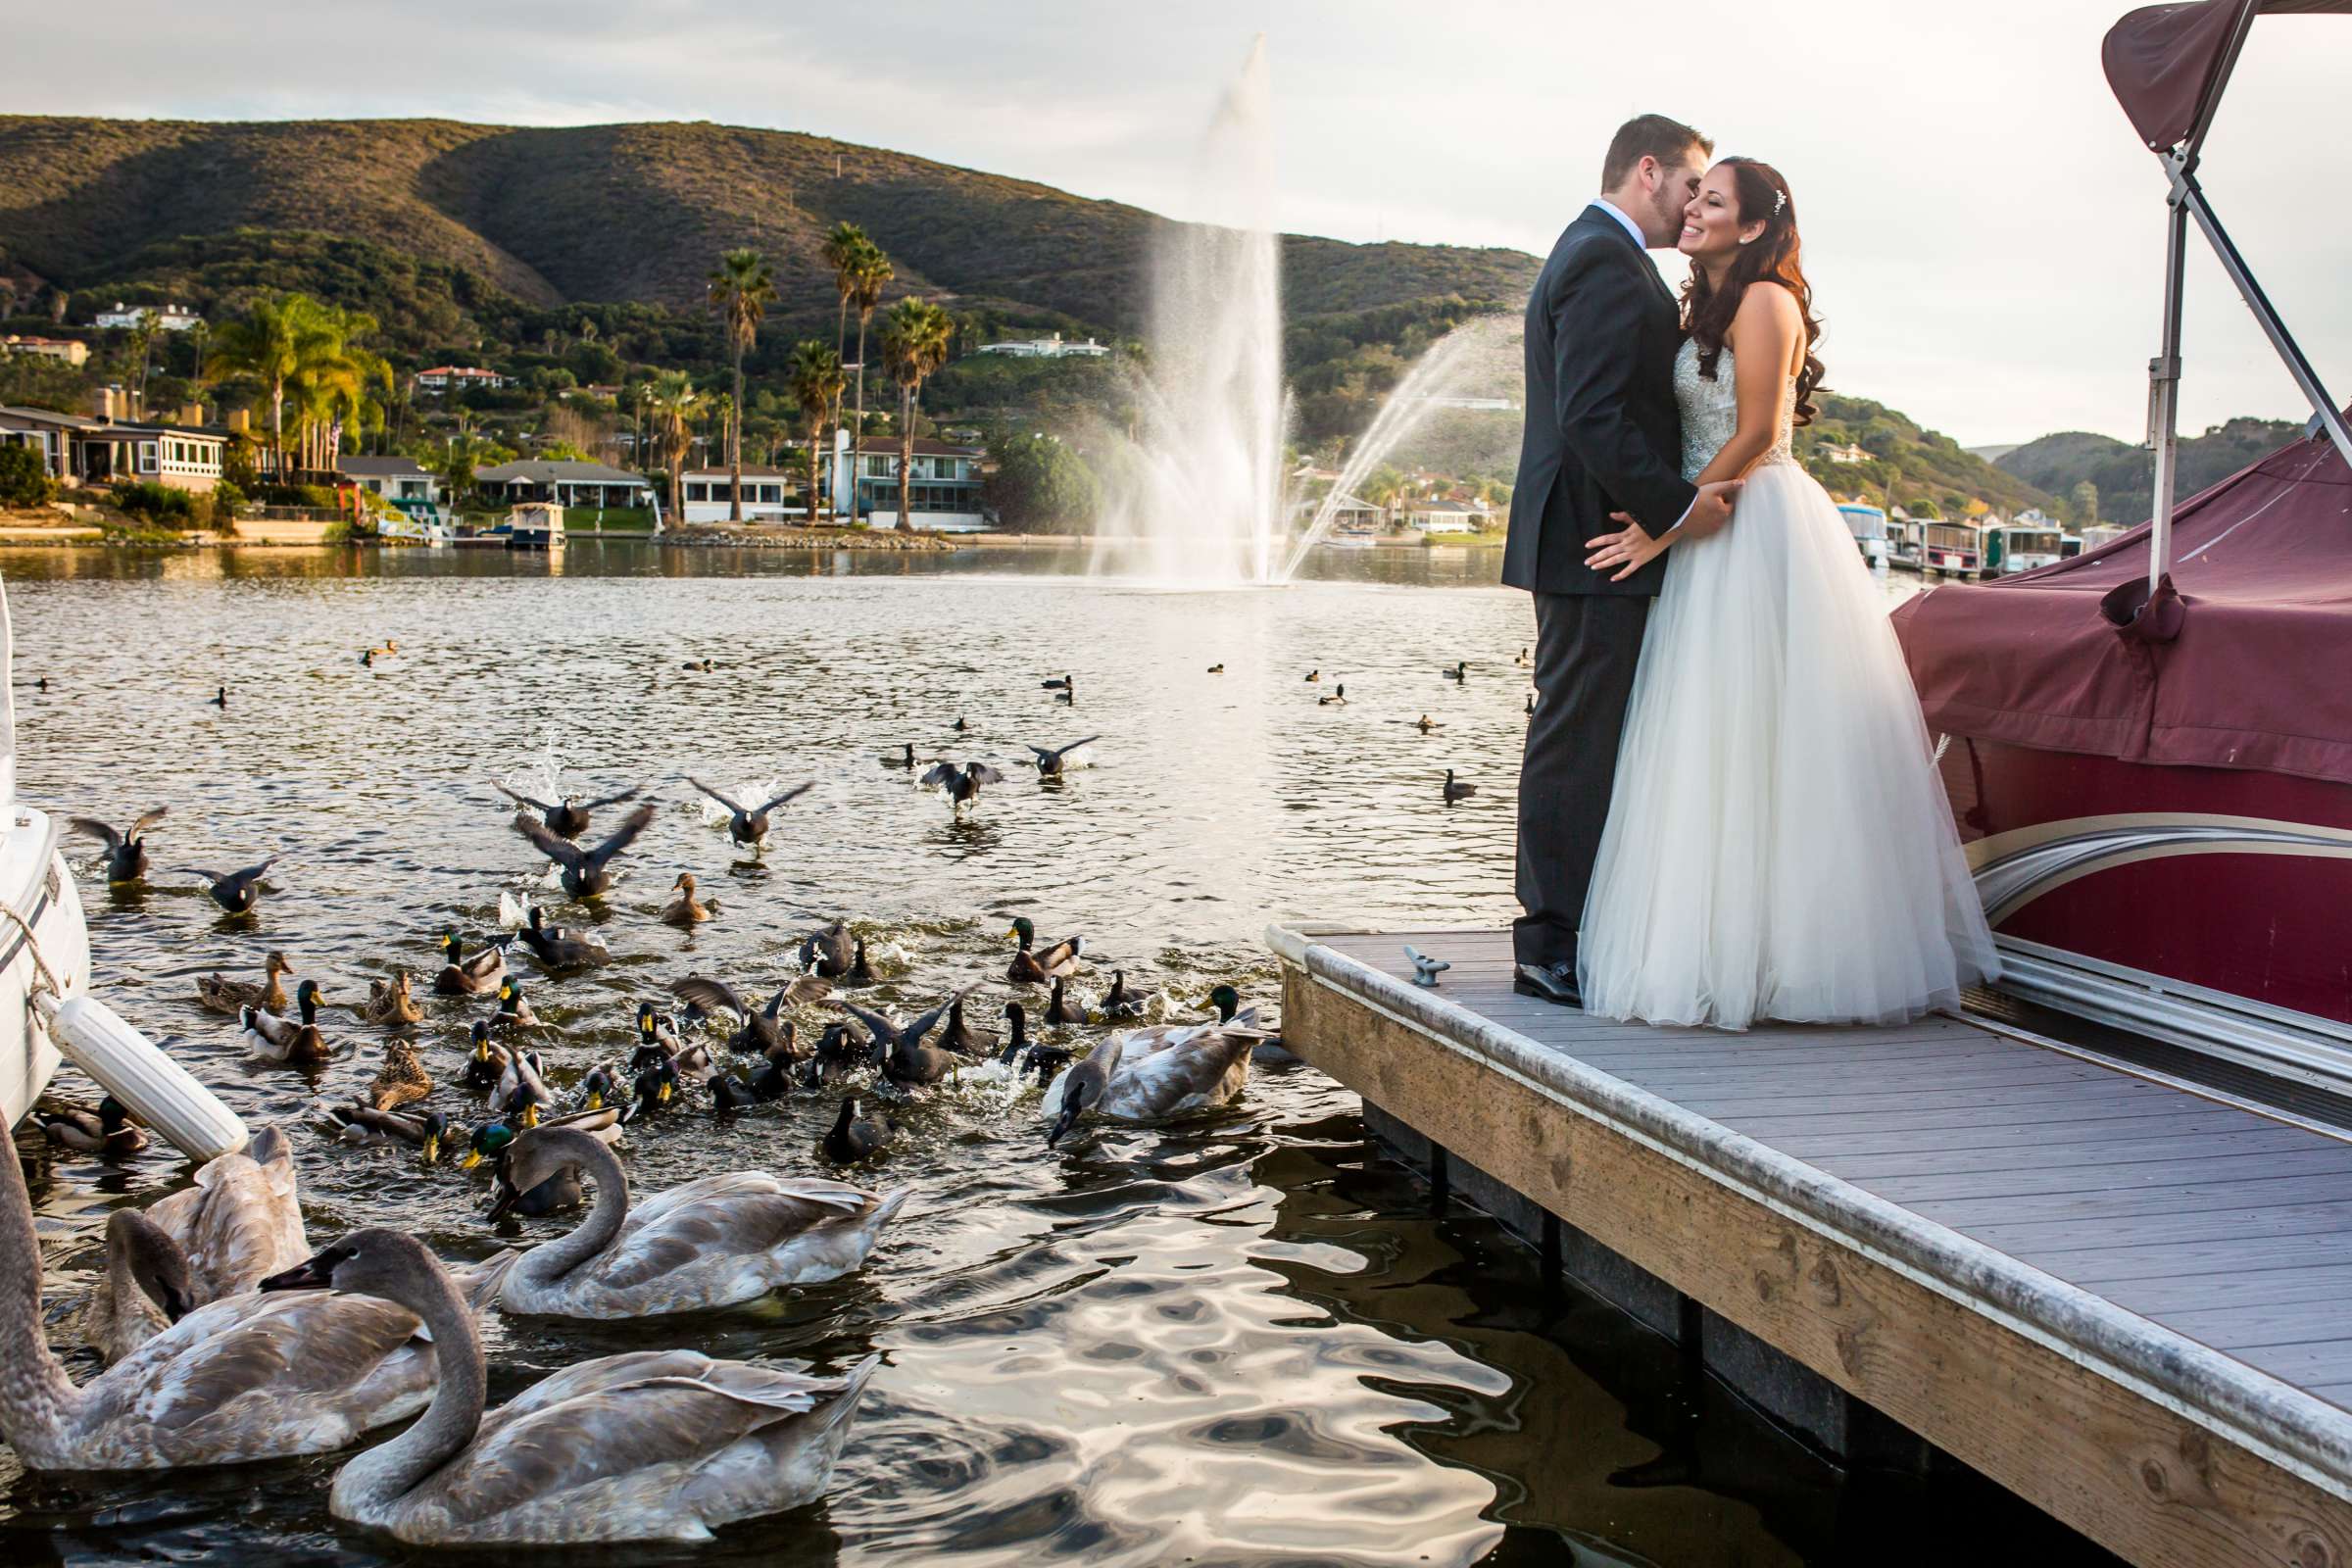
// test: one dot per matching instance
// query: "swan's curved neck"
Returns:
(548, 1263)
(387, 1472)
(35, 1393)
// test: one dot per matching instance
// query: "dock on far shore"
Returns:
(2117, 1294)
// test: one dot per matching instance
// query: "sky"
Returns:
(1982, 227)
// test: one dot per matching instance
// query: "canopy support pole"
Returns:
(2163, 394)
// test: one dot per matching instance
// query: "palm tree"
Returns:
(869, 270)
(816, 385)
(671, 400)
(915, 343)
(740, 291)
(842, 247)
(459, 458)
(263, 346)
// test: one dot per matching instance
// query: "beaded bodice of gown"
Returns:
(1711, 410)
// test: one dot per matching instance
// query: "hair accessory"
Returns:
(1780, 199)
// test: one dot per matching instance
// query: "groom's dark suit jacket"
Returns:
(1602, 433)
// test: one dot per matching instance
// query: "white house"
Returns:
(441, 377)
(1056, 347)
(72, 350)
(402, 481)
(769, 495)
(946, 483)
(1443, 517)
(170, 318)
(1845, 453)
(589, 486)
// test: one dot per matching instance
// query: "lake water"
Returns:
(1241, 1340)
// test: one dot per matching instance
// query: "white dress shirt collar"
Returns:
(1618, 213)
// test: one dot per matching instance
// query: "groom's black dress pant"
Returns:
(1587, 646)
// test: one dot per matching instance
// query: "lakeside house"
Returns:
(99, 450)
(565, 482)
(401, 481)
(946, 483)
(166, 318)
(1056, 347)
(769, 495)
(442, 377)
(1451, 518)
(71, 350)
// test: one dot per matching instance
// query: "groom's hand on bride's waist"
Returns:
(1631, 548)
(1712, 509)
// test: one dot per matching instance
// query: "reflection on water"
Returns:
(1241, 1340)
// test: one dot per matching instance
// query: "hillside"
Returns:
(2123, 472)
(467, 216)
(1907, 465)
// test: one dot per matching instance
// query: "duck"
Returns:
(478, 976)
(1055, 683)
(656, 1027)
(715, 1242)
(1045, 1061)
(689, 1064)
(587, 873)
(757, 1031)
(1228, 1004)
(1120, 1004)
(960, 725)
(244, 1378)
(960, 784)
(903, 758)
(1337, 697)
(219, 699)
(556, 1195)
(1459, 671)
(366, 659)
(389, 1002)
(358, 1123)
(568, 817)
(1315, 675)
(1052, 763)
(217, 993)
(1153, 1074)
(837, 1054)
(484, 1062)
(748, 826)
(282, 1039)
(644, 1445)
(1523, 660)
(108, 1130)
(127, 850)
(514, 1008)
(828, 951)
(1062, 1009)
(854, 1135)
(685, 910)
(386, 648)
(235, 892)
(862, 970)
(1457, 791)
(906, 1061)
(1216, 670)
(1033, 966)
(1531, 705)
(521, 1085)
(401, 1081)
(957, 1036)
(560, 948)
(1016, 1038)
(1425, 724)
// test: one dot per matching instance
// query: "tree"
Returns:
(1041, 485)
(455, 466)
(740, 291)
(672, 403)
(915, 343)
(264, 347)
(2083, 504)
(870, 272)
(842, 249)
(816, 386)
(24, 475)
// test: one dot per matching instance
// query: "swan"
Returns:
(646, 1446)
(239, 1221)
(717, 1241)
(1154, 1074)
(252, 1377)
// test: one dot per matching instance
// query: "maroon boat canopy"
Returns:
(2256, 673)
(2162, 60)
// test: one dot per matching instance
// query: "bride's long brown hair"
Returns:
(1774, 256)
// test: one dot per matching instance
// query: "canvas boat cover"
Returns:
(2249, 665)
(2162, 60)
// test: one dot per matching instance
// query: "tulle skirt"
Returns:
(1778, 844)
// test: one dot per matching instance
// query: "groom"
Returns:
(1601, 435)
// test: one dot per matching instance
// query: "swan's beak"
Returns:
(1062, 1124)
(315, 1273)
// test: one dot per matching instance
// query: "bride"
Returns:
(1778, 845)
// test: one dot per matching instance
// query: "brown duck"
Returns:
(217, 993)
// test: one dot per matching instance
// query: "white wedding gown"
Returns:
(1778, 844)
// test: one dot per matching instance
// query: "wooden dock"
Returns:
(2122, 1297)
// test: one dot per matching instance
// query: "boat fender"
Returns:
(158, 1091)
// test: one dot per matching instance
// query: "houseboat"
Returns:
(535, 525)
(2021, 546)
(1905, 541)
(1952, 550)
(2148, 748)
(1868, 525)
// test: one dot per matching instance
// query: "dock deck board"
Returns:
(2187, 1228)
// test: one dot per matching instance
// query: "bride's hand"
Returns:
(1631, 549)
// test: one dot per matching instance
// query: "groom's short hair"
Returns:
(1648, 136)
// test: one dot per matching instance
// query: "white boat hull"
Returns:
(35, 883)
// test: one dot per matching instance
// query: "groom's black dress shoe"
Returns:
(1548, 982)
